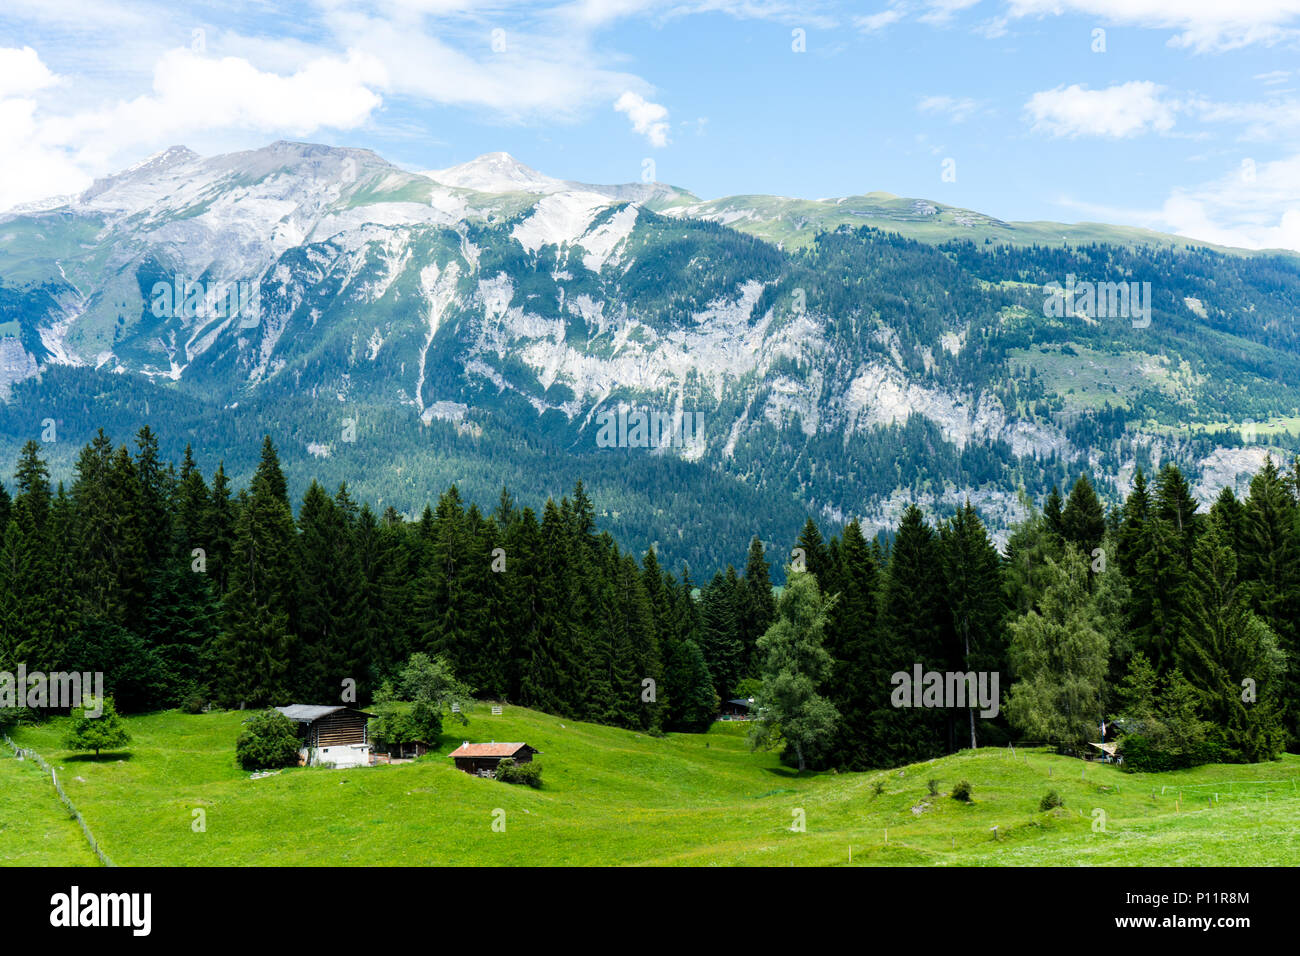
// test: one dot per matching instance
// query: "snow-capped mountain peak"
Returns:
(496, 173)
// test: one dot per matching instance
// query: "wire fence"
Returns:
(24, 754)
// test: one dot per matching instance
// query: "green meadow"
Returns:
(35, 829)
(614, 797)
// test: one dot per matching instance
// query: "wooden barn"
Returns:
(401, 749)
(331, 735)
(482, 759)
(737, 708)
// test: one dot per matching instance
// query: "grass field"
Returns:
(35, 830)
(616, 797)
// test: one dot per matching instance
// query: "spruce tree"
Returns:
(915, 629)
(720, 631)
(218, 534)
(1133, 525)
(974, 598)
(852, 686)
(690, 689)
(758, 609)
(271, 474)
(1053, 514)
(259, 642)
(26, 625)
(328, 606)
(1157, 600)
(1083, 522)
(811, 548)
(1269, 546)
(528, 668)
(32, 480)
(1175, 504)
(1231, 657)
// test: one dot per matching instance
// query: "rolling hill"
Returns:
(614, 797)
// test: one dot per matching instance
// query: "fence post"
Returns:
(63, 798)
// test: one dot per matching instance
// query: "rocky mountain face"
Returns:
(836, 357)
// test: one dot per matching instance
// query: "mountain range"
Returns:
(402, 330)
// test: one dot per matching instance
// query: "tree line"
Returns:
(1174, 625)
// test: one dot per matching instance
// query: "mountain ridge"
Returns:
(841, 374)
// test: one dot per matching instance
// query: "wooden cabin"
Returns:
(737, 709)
(401, 749)
(482, 759)
(330, 735)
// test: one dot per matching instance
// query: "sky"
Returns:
(1177, 115)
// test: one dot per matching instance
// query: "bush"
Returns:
(1154, 754)
(962, 791)
(105, 732)
(526, 773)
(932, 786)
(878, 787)
(194, 704)
(13, 716)
(1051, 800)
(269, 740)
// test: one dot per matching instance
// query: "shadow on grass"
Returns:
(788, 773)
(104, 757)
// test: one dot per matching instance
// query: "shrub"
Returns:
(13, 716)
(932, 786)
(1154, 754)
(878, 787)
(194, 704)
(269, 739)
(526, 773)
(961, 791)
(1050, 801)
(105, 732)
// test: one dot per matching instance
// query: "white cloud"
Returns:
(22, 72)
(1128, 109)
(1262, 121)
(193, 93)
(1257, 206)
(46, 153)
(941, 11)
(1253, 206)
(871, 22)
(957, 108)
(28, 170)
(1200, 25)
(933, 12)
(552, 76)
(648, 119)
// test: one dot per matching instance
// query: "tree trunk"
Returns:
(970, 709)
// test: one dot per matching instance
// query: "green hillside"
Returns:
(614, 797)
(35, 830)
(795, 223)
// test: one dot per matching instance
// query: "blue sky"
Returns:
(1184, 116)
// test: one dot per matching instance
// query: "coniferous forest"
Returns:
(1177, 626)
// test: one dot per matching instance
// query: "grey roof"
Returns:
(309, 713)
